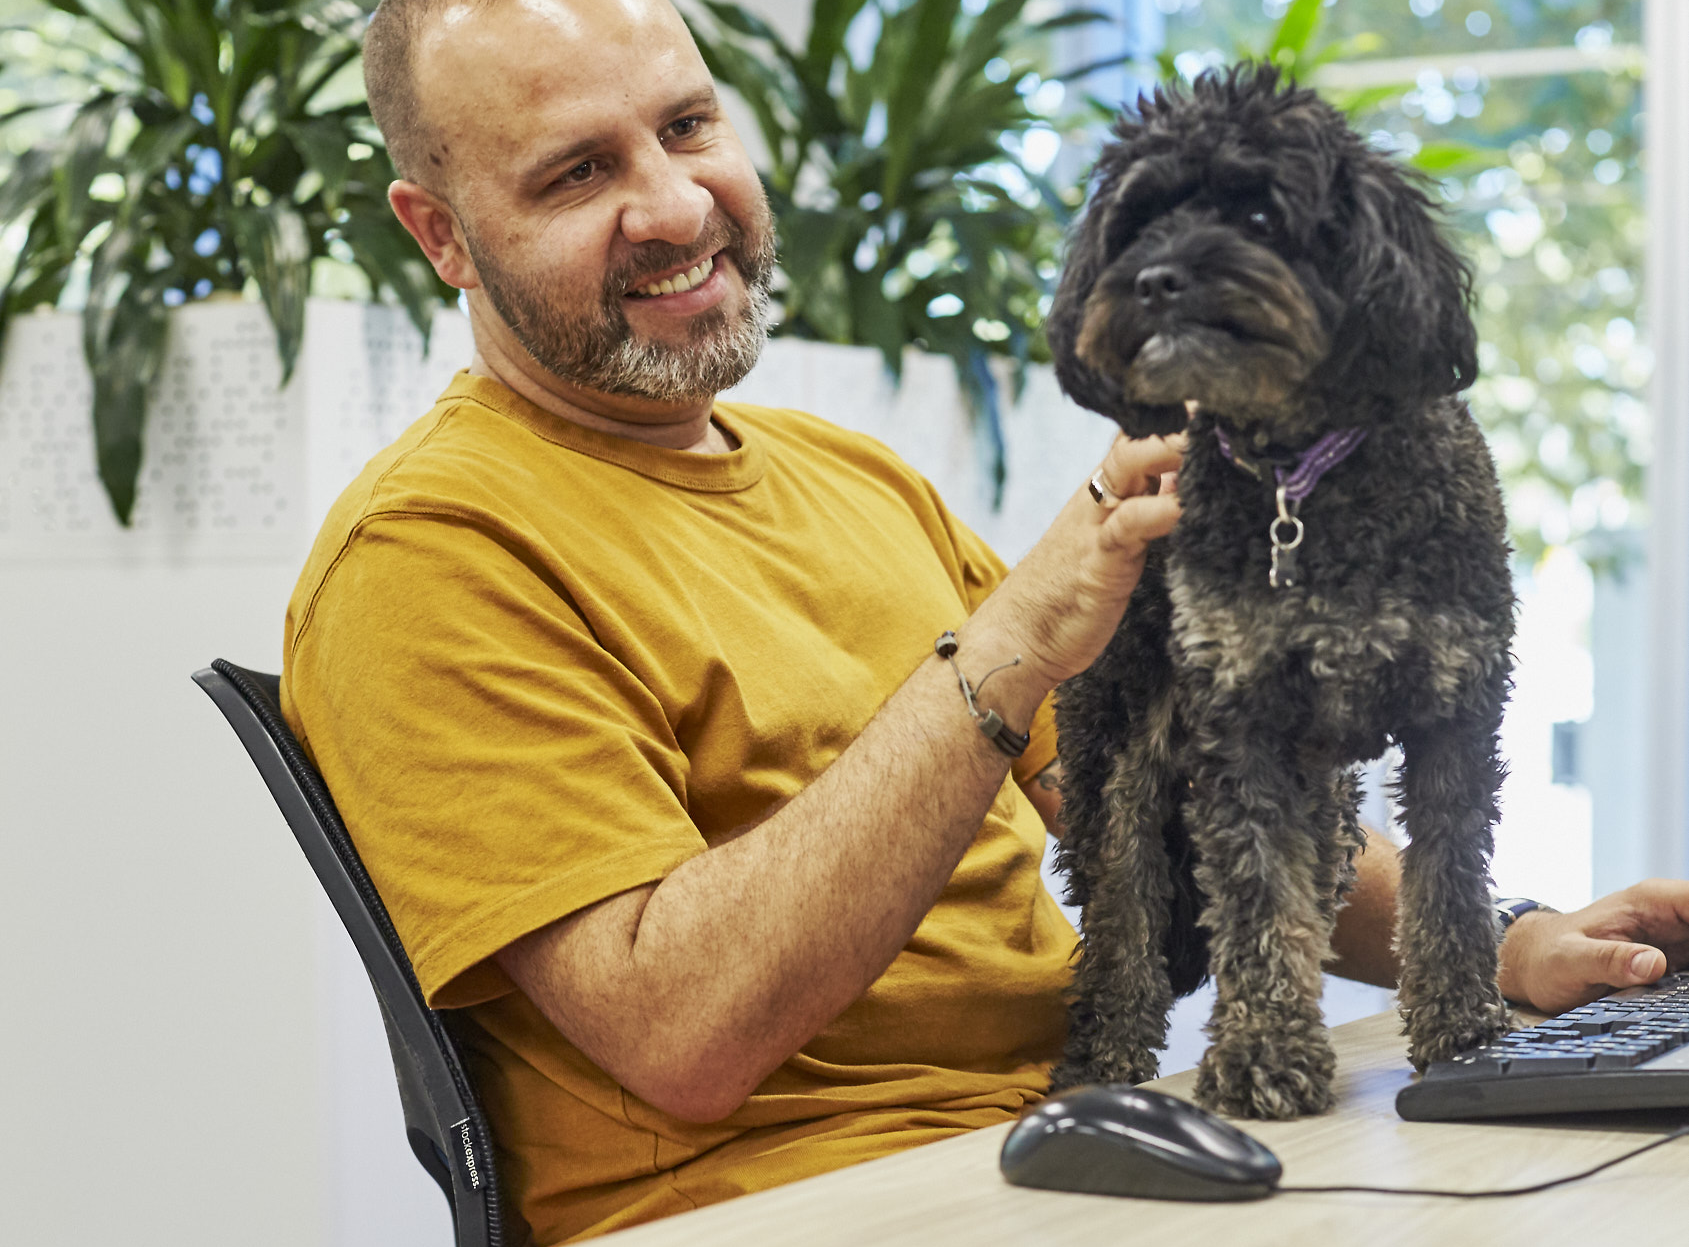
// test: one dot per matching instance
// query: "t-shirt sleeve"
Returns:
(497, 768)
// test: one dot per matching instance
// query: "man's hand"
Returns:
(1062, 603)
(1552, 961)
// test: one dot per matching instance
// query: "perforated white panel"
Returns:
(368, 381)
(221, 465)
(233, 467)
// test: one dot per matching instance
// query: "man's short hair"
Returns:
(390, 85)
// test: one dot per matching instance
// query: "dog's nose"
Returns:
(1159, 284)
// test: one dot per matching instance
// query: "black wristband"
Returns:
(1509, 909)
(989, 722)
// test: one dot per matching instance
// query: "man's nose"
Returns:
(665, 203)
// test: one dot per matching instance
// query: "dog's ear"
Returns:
(1408, 331)
(1087, 258)
(1101, 233)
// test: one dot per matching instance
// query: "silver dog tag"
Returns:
(1282, 573)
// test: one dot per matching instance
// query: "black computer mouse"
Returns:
(1117, 1139)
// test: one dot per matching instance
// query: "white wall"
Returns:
(158, 1054)
(191, 1054)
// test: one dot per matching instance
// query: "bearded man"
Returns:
(630, 697)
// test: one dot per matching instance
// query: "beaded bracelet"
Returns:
(990, 723)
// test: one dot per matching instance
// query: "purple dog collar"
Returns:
(1291, 486)
(1313, 463)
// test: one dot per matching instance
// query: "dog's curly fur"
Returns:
(1248, 264)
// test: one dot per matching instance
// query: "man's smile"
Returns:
(679, 282)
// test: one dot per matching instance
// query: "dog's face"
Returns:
(1245, 251)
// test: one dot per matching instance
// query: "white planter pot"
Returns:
(235, 468)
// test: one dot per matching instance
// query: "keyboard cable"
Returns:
(1512, 1190)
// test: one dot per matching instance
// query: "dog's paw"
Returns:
(1439, 1034)
(1137, 1066)
(1266, 1077)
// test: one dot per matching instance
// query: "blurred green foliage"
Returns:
(924, 163)
(158, 152)
(1542, 179)
(907, 147)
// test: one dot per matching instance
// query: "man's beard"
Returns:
(595, 348)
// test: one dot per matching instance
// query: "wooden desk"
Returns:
(951, 1192)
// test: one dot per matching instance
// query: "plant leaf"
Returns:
(28, 185)
(1073, 17)
(979, 386)
(84, 156)
(123, 338)
(38, 271)
(828, 22)
(1294, 32)
(1449, 158)
(391, 258)
(322, 143)
(914, 69)
(276, 250)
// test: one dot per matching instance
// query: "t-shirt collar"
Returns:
(723, 473)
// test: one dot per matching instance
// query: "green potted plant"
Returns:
(200, 146)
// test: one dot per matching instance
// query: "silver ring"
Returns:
(1100, 492)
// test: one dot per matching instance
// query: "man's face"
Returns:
(589, 342)
(590, 166)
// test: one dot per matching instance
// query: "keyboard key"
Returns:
(1619, 1059)
(1477, 1064)
(1548, 1063)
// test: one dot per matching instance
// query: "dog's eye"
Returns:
(1261, 221)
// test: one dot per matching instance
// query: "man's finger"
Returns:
(1132, 462)
(1137, 521)
(1621, 964)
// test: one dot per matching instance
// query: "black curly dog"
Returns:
(1249, 271)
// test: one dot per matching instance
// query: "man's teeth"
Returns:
(680, 281)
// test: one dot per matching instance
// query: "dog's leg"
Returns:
(1121, 994)
(1269, 935)
(1336, 819)
(1445, 935)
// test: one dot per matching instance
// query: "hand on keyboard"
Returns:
(1554, 961)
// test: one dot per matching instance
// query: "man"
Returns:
(631, 697)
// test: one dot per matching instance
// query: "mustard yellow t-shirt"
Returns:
(540, 665)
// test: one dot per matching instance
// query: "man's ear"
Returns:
(431, 221)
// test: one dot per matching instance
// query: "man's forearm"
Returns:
(786, 926)
(743, 953)
(1364, 942)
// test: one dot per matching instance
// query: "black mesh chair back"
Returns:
(443, 1122)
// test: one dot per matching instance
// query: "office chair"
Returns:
(443, 1120)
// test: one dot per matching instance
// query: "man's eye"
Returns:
(580, 173)
(686, 127)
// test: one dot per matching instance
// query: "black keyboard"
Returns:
(1629, 1050)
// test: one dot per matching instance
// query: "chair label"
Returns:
(463, 1145)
